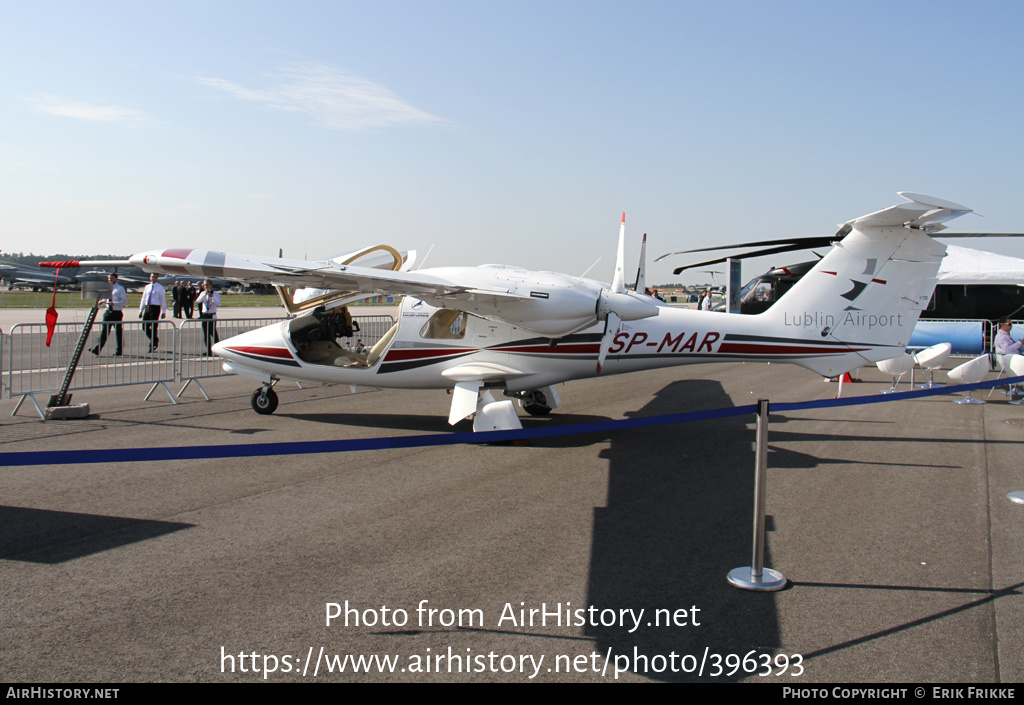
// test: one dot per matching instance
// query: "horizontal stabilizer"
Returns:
(925, 213)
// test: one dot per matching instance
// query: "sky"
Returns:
(497, 131)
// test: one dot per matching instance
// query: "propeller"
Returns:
(611, 329)
(641, 270)
(617, 304)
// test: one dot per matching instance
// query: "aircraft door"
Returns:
(488, 335)
(458, 329)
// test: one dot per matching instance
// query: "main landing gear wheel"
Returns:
(536, 404)
(264, 401)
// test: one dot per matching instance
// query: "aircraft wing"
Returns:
(547, 303)
(254, 269)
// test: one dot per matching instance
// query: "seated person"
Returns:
(1005, 344)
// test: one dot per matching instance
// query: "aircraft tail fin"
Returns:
(618, 278)
(864, 297)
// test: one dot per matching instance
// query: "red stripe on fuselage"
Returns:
(396, 355)
(261, 350)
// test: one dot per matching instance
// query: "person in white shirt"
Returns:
(705, 303)
(153, 307)
(1005, 344)
(208, 302)
(113, 315)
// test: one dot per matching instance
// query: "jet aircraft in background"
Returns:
(13, 274)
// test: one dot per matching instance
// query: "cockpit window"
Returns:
(762, 292)
(445, 325)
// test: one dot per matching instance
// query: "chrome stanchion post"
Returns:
(756, 576)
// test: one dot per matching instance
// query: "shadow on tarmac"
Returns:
(989, 596)
(675, 524)
(50, 537)
(434, 423)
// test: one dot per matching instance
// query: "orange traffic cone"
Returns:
(845, 377)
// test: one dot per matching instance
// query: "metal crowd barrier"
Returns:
(33, 368)
(193, 361)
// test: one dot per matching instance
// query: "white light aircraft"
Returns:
(501, 330)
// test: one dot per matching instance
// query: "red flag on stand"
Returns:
(51, 313)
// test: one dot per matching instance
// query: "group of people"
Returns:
(153, 307)
(704, 302)
(183, 298)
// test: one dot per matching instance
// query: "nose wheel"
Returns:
(264, 400)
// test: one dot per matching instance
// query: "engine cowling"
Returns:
(627, 305)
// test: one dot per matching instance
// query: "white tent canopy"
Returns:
(962, 265)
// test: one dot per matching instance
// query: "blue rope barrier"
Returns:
(206, 452)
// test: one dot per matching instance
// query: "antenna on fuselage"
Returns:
(588, 269)
(424, 260)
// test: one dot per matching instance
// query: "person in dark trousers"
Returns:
(177, 295)
(188, 299)
(208, 302)
(113, 315)
(153, 307)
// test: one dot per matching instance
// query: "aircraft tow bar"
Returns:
(60, 406)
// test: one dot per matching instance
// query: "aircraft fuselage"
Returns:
(423, 354)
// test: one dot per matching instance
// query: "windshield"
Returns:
(746, 289)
